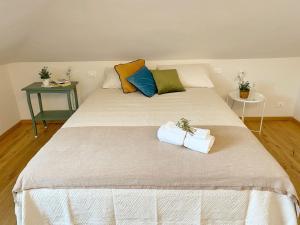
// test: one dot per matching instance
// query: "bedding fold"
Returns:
(84, 157)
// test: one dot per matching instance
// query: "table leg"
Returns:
(243, 115)
(41, 107)
(262, 117)
(76, 97)
(32, 114)
(69, 100)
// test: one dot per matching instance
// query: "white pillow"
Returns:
(111, 78)
(191, 75)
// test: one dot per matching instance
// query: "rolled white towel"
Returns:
(171, 134)
(199, 144)
(201, 133)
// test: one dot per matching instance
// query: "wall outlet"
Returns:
(280, 104)
(92, 73)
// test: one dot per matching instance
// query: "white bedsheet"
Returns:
(110, 107)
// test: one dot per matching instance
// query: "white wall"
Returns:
(278, 79)
(9, 114)
(297, 108)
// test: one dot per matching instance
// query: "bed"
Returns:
(105, 166)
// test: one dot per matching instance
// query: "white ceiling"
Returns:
(81, 30)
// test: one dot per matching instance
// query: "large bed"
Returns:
(106, 166)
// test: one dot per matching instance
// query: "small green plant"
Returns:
(184, 124)
(44, 73)
(243, 85)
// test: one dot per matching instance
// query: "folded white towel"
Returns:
(200, 141)
(199, 144)
(201, 133)
(170, 133)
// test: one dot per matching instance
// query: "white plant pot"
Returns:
(46, 82)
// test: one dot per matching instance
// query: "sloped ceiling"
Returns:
(81, 30)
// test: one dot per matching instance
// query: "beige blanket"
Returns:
(132, 157)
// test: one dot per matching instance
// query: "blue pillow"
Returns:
(143, 81)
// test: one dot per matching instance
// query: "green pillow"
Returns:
(167, 81)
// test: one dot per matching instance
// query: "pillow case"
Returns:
(167, 81)
(143, 81)
(191, 75)
(111, 78)
(126, 70)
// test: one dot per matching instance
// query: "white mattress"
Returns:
(110, 107)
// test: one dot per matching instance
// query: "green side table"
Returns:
(43, 115)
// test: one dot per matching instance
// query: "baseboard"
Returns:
(271, 118)
(10, 130)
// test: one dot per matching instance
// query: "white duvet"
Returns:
(110, 107)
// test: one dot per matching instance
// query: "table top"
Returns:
(37, 86)
(253, 97)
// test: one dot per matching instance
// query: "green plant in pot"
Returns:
(244, 86)
(45, 76)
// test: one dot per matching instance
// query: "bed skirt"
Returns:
(153, 207)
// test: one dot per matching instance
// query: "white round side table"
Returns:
(256, 98)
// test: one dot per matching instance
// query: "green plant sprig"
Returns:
(184, 124)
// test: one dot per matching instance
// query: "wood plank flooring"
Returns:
(16, 149)
(281, 138)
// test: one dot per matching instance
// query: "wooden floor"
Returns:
(16, 149)
(281, 138)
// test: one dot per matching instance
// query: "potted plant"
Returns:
(244, 86)
(45, 76)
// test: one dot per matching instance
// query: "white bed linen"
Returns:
(110, 107)
(154, 207)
